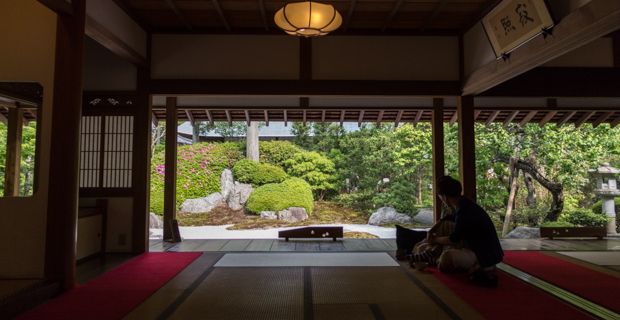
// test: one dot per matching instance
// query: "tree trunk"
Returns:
(514, 176)
(420, 176)
(556, 189)
(196, 132)
(252, 141)
(531, 190)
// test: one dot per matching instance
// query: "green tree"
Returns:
(315, 169)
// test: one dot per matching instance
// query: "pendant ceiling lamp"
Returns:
(308, 19)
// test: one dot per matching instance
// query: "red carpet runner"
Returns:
(595, 286)
(512, 299)
(114, 294)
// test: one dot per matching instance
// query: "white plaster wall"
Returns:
(385, 58)
(27, 52)
(598, 53)
(224, 57)
(105, 71)
(113, 18)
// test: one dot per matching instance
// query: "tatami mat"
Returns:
(344, 259)
(601, 258)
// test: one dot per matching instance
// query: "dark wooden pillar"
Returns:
(467, 146)
(438, 153)
(13, 152)
(170, 185)
(62, 205)
(142, 160)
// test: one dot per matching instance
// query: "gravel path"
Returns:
(220, 232)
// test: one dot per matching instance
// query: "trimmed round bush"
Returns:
(244, 169)
(556, 224)
(268, 174)
(293, 192)
(276, 152)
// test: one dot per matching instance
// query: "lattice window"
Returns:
(107, 152)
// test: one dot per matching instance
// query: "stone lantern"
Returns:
(607, 189)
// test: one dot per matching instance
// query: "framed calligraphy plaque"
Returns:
(514, 22)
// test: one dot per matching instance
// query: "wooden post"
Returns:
(13, 152)
(170, 176)
(141, 161)
(514, 175)
(467, 146)
(438, 153)
(62, 203)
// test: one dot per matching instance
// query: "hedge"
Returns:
(293, 192)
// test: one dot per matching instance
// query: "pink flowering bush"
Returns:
(199, 167)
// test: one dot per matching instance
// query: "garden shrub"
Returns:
(199, 167)
(399, 195)
(556, 224)
(316, 169)
(583, 218)
(529, 216)
(277, 152)
(357, 200)
(598, 208)
(293, 192)
(267, 174)
(244, 169)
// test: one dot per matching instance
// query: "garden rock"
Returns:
(425, 217)
(524, 233)
(388, 215)
(226, 184)
(293, 214)
(239, 195)
(155, 222)
(204, 204)
(268, 215)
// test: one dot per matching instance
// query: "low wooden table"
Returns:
(312, 232)
(556, 232)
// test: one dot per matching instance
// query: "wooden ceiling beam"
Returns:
(434, 14)
(342, 117)
(228, 118)
(591, 21)
(583, 119)
(247, 117)
(210, 117)
(261, 5)
(33, 113)
(267, 117)
(601, 119)
(123, 5)
(527, 118)
(360, 119)
(615, 122)
(418, 116)
(177, 11)
(154, 119)
(379, 118)
(476, 114)
(491, 118)
(565, 118)
(61, 7)
(398, 117)
(190, 117)
(510, 117)
(547, 118)
(455, 117)
(113, 43)
(476, 17)
(391, 15)
(221, 13)
(347, 19)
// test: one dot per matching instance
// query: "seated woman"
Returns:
(464, 241)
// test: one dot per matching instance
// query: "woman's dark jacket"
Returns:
(472, 224)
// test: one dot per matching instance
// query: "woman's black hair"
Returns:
(447, 186)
